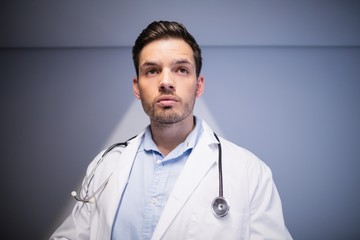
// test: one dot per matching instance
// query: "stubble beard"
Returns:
(167, 116)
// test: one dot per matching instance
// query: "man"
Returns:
(163, 183)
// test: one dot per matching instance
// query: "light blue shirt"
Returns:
(150, 183)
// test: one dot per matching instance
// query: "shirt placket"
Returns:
(155, 196)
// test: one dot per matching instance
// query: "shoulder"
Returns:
(111, 156)
(237, 156)
(239, 153)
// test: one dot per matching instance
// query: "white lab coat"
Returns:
(255, 205)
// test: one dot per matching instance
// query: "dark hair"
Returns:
(165, 30)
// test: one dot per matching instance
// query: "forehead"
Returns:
(166, 49)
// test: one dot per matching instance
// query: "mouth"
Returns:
(167, 101)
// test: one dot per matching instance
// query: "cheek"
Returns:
(146, 94)
(192, 90)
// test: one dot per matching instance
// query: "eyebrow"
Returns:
(183, 61)
(154, 63)
(145, 64)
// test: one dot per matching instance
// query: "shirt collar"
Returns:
(188, 144)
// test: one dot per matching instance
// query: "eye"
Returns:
(182, 71)
(151, 72)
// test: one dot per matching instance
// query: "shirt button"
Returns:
(158, 162)
(154, 200)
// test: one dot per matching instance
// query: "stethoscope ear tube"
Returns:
(91, 198)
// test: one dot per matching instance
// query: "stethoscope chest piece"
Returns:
(220, 207)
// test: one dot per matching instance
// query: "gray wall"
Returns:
(282, 79)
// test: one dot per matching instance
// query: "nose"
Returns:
(166, 83)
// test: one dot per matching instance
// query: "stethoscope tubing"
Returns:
(91, 198)
(221, 188)
(220, 206)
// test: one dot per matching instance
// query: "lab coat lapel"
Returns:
(116, 186)
(196, 167)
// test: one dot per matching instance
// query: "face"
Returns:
(167, 84)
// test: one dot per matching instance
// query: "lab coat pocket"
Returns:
(206, 226)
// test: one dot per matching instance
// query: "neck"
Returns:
(168, 136)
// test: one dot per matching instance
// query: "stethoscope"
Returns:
(220, 207)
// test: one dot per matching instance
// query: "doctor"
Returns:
(163, 183)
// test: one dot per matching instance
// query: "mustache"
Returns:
(167, 95)
(167, 91)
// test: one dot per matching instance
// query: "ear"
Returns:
(136, 88)
(200, 85)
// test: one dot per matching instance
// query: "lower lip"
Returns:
(166, 103)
